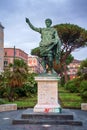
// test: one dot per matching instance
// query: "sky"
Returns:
(16, 31)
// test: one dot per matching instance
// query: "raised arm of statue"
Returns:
(32, 27)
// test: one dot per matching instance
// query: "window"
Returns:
(5, 63)
(5, 53)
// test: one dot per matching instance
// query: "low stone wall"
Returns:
(8, 107)
(84, 106)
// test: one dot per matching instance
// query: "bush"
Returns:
(2, 101)
(72, 85)
(83, 89)
(62, 81)
(26, 90)
(29, 88)
(4, 91)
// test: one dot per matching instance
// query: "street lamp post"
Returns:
(14, 58)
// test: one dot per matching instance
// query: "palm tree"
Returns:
(16, 76)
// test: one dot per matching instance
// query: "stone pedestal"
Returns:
(47, 94)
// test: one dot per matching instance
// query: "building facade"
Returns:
(11, 53)
(34, 64)
(1, 47)
(73, 68)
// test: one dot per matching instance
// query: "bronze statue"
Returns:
(50, 45)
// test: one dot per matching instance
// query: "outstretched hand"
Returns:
(27, 20)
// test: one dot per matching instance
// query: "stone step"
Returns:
(49, 122)
(30, 117)
(47, 116)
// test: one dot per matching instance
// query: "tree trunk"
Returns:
(65, 72)
(11, 95)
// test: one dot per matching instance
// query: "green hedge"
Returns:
(83, 89)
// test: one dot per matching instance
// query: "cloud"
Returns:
(17, 32)
(80, 54)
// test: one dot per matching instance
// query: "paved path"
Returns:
(7, 117)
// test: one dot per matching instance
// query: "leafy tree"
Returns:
(14, 76)
(62, 68)
(72, 37)
(4, 84)
(82, 71)
(36, 51)
(19, 74)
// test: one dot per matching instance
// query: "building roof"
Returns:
(76, 61)
(1, 26)
(32, 56)
(16, 49)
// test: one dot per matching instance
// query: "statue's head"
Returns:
(48, 22)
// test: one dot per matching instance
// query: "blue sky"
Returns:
(17, 32)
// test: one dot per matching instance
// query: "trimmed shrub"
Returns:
(83, 89)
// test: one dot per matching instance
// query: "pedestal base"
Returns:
(47, 108)
(47, 94)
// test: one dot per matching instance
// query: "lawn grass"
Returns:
(25, 102)
(69, 100)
